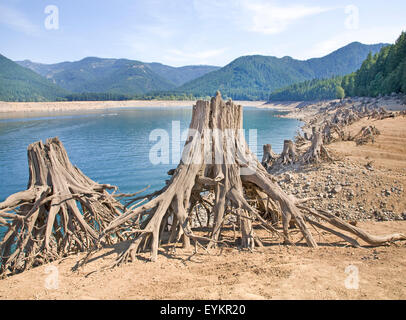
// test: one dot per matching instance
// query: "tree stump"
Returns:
(366, 134)
(316, 150)
(61, 212)
(216, 158)
(269, 157)
(288, 155)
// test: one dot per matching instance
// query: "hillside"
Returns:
(21, 84)
(379, 74)
(309, 90)
(119, 76)
(253, 77)
(180, 75)
(246, 78)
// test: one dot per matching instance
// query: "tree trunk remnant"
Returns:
(216, 158)
(366, 134)
(216, 164)
(61, 212)
(269, 157)
(316, 150)
(288, 155)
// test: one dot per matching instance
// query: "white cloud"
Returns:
(268, 18)
(17, 21)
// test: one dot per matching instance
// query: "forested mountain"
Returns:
(248, 77)
(253, 77)
(382, 73)
(21, 84)
(118, 76)
(180, 75)
(316, 89)
(379, 74)
(342, 61)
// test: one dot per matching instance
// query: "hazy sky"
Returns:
(184, 32)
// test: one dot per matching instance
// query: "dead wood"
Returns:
(317, 150)
(367, 134)
(216, 158)
(61, 212)
(269, 157)
(289, 154)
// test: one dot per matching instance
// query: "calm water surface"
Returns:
(112, 146)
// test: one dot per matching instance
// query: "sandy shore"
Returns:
(12, 107)
(21, 109)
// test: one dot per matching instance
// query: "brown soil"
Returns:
(276, 271)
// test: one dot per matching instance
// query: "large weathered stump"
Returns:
(216, 160)
(61, 212)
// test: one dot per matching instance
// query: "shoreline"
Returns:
(29, 109)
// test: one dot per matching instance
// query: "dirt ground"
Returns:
(275, 272)
(333, 271)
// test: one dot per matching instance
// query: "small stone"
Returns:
(337, 189)
(288, 177)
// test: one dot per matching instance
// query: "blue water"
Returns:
(112, 146)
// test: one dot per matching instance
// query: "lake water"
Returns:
(112, 146)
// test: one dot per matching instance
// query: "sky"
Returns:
(191, 32)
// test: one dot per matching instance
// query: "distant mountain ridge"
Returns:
(254, 77)
(245, 78)
(381, 74)
(120, 76)
(21, 84)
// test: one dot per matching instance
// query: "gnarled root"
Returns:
(288, 155)
(316, 150)
(366, 134)
(216, 159)
(269, 157)
(61, 212)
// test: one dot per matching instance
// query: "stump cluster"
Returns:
(63, 211)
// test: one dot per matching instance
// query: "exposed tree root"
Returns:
(241, 186)
(316, 150)
(61, 212)
(269, 157)
(367, 134)
(217, 172)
